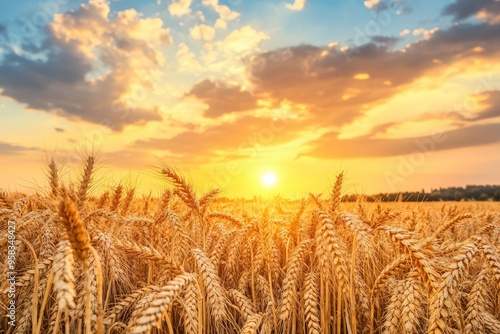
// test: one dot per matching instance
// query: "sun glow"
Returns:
(269, 179)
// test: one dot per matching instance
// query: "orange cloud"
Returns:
(222, 98)
(329, 146)
(362, 76)
(235, 138)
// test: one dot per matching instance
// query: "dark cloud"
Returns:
(382, 5)
(382, 128)
(10, 149)
(401, 7)
(227, 139)
(385, 40)
(58, 85)
(59, 130)
(59, 76)
(330, 147)
(222, 98)
(328, 85)
(462, 9)
(493, 109)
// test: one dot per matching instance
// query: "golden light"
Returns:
(269, 179)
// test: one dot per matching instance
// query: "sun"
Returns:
(269, 179)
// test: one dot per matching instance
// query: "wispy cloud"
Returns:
(462, 9)
(12, 149)
(226, 139)
(330, 146)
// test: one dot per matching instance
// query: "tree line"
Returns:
(468, 193)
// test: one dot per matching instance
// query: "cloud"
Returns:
(492, 106)
(225, 13)
(180, 7)
(463, 9)
(482, 107)
(323, 80)
(202, 31)
(385, 40)
(200, 16)
(59, 129)
(404, 32)
(330, 147)
(10, 149)
(297, 5)
(361, 76)
(90, 67)
(224, 58)
(220, 24)
(222, 98)
(243, 41)
(427, 34)
(490, 15)
(229, 139)
(371, 3)
(324, 83)
(378, 5)
(187, 60)
(489, 104)
(400, 7)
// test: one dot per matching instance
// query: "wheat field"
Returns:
(186, 262)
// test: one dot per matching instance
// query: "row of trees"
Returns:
(469, 193)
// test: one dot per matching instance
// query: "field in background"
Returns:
(189, 263)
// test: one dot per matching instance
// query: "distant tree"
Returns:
(458, 195)
(483, 197)
(469, 193)
(496, 195)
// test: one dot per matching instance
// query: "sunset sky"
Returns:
(402, 95)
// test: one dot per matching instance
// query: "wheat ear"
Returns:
(86, 181)
(152, 307)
